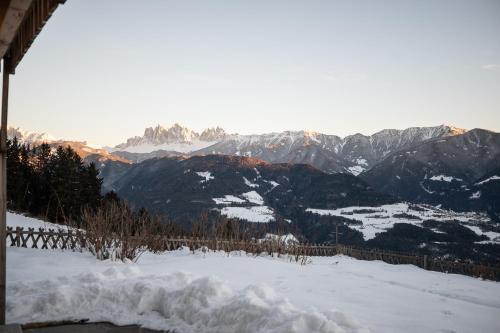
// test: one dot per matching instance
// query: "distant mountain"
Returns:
(376, 147)
(111, 166)
(176, 138)
(238, 186)
(139, 157)
(485, 194)
(86, 152)
(449, 171)
(309, 187)
(27, 136)
(329, 153)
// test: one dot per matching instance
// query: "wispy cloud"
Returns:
(491, 67)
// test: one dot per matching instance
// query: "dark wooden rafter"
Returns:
(34, 19)
(12, 13)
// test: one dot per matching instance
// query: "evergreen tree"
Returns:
(90, 186)
(18, 175)
(54, 184)
(40, 179)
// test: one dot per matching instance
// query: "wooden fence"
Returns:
(75, 240)
(45, 239)
(489, 272)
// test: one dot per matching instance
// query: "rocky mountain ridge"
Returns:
(329, 153)
(175, 138)
(82, 148)
(450, 171)
(27, 136)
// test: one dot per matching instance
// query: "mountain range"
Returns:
(175, 138)
(457, 172)
(183, 187)
(441, 165)
(395, 189)
(329, 153)
(301, 199)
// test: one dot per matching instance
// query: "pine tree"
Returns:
(90, 186)
(54, 184)
(14, 178)
(18, 175)
(40, 179)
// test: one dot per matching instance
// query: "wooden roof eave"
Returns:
(21, 23)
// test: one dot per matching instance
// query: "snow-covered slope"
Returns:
(237, 187)
(15, 220)
(451, 171)
(382, 218)
(216, 292)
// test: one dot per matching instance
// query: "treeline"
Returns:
(52, 183)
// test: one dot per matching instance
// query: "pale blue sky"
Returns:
(102, 71)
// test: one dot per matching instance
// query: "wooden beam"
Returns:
(34, 19)
(12, 14)
(3, 186)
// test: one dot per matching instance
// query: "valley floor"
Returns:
(218, 292)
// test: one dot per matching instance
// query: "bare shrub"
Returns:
(114, 231)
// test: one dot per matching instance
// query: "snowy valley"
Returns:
(448, 171)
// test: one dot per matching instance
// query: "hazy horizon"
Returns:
(335, 67)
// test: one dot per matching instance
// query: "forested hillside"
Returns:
(48, 182)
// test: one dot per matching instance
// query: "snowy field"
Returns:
(217, 292)
(259, 213)
(381, 218)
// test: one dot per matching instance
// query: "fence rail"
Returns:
(45, 238)
(75, 240)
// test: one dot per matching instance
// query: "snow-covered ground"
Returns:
(379, 219)
(253, 197)
(218, 292)
(205, 174)
(356, 169)
(259, 214)
(17, 220)
(228, 199)
(249, 183)
(492, 178)
(287, 239)
(444, 178)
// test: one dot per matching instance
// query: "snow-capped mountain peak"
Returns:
(27, 136)
(213, 134)
(175, 138)
(330, 153)
(174, 134)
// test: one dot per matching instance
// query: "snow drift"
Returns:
(176, 301)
